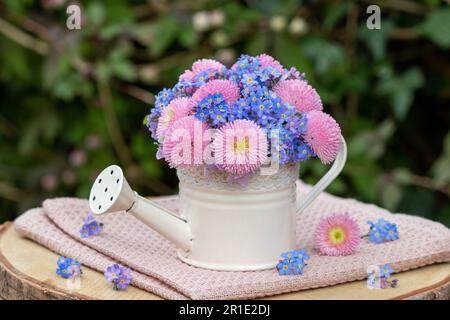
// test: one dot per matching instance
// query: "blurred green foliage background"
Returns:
(73, 101)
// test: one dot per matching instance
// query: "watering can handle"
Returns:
(325, 181)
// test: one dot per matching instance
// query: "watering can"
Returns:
(220, 227)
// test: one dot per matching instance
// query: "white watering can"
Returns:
(220, 227)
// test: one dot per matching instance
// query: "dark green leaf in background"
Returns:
(437, 27)
(400, 90)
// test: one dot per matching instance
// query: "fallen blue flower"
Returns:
(68, 268)
(90, 227)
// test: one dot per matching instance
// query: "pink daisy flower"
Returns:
(200, 66)
(227, 88)
(185, 142)
(206, 64)
(187, 75)
(299, 94)
(178, 108)
(323, 135)
(337, 235)
(240, 147)
(269, 61)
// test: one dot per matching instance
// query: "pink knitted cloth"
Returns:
(156, 268)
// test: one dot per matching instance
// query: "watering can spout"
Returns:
(111, 192)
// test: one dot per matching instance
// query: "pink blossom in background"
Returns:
(92, 141)
(240, 147)
(337, 235)
(53, 4)
(69, 177)
(323, 135)
(185, 142)
(299, 94)
(227, 88)
(178, 108)
(226, 55)
(49, 182)
(78, 157)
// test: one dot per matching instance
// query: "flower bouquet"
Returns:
(236, 137)
(235, 120)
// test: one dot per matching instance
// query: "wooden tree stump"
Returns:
(27, 271)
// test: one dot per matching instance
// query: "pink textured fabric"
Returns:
(130, 242)
(35, 225)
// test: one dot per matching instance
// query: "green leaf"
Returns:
(362, 182)
(118, 12)
(386, 129)
(441, 167)
(187, 36)
(70, 85)
(402, 176)
(437, 27)
(143, 32)
(95, 14)
(400, 90)
(237, 14)
(337, 187)
(55, 66)
(290, 53)
(403, 96)
(376, 39)
(285, 7)
(334, 12)
(121, 52)
(257, 44)
(401, 100)
(443, 216)
(145, 150)
(124, 70)
(15, 62)
(145, 120)
(413, 78)
(103, 72)
(18, 6)
(331, 54)
(113, 30)
(165, 31)
(391, 195)
(371, 144)
(44, 127)
(418, 201)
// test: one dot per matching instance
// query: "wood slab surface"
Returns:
(27, 271)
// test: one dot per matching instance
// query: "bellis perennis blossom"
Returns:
(178, 108)
(337, 235)
(299, 94)
(257, 93)
(268, 61)
(202, 65)
(227, 88)
(240, 147)
(323, 135)
(185, 142)
(119, 276)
